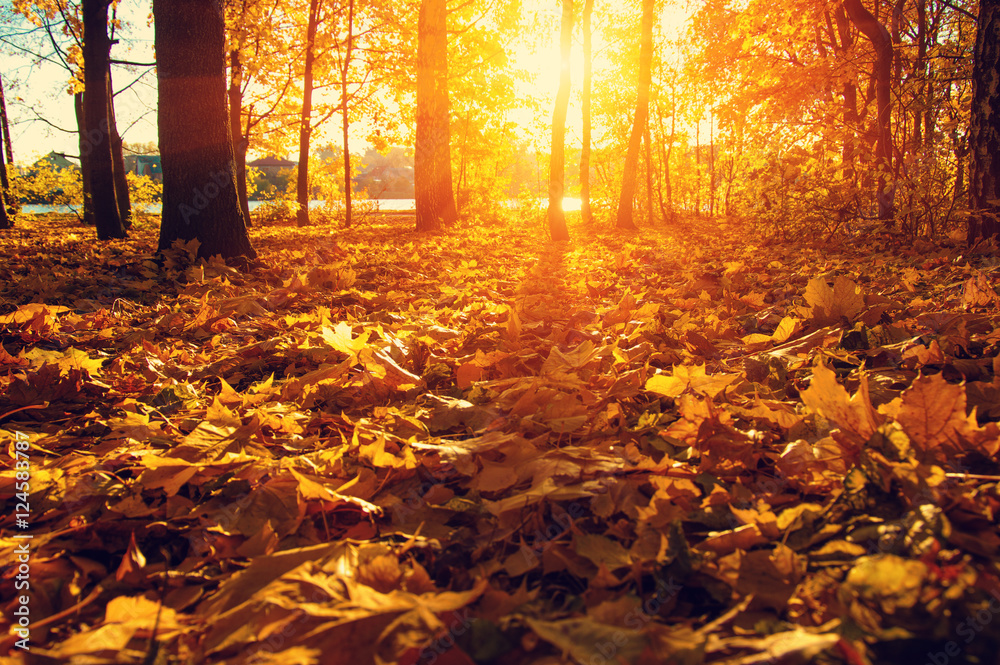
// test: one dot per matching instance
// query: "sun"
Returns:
(538, 56)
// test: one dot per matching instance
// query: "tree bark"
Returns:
(196, 149)
(877, 34)
(5, 126)
(624, 219)
(984, 134)
(96, 61)
(303, 191)
(588, 65)
(850, 92)
(88, 196)
(118, 160)
(557, 158)
(240, 143)
(6, 218)
(6, 159)
(435, 197)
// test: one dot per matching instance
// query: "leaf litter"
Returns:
(379, 446)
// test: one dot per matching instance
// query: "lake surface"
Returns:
(570, 204)
(395, 205)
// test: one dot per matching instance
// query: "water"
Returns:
(395, 205)
(570, 204)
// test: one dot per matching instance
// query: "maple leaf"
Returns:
(831, 305)
(933, 414)
(852, 414)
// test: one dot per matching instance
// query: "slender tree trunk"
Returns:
(624, 219)
(96, 61)
(850, 92)
(240, 143)
(648, 158)
(876, 33)
(920, 70)
(557, 158)
(7, 159)
(5, 126)
(344, 71)
(196, 148)
(303, 191)
(6, 218)
(85, 152)
(435, 195)
(697, 169)
(984, 134)
(6, 221)
(711, 163)
(588, 65)
(118, 160)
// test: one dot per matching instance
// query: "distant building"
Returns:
(57, 161)
(271, 165)
(147, 165)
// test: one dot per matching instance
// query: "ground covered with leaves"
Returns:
(481, 447)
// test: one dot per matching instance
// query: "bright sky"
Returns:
(42, 116)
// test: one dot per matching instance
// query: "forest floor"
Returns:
(675, 445)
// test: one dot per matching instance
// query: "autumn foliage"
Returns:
(392, 447)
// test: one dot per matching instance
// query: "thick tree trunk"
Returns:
(876, 33)
(588, 65)
(118, 160)
(196, 149)
(303, 190)
(984, 134)
(557, 158)
(85, 152)
(240, 144)
(344, 71)
(624, 219)
(96, 61)
(435, 198)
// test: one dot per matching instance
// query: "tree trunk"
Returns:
(303, 191)
(240, 143)
(344, 70)
(196, 149)
(984, 134)
(435, 198)
(5, 126)
(6, 219)
(118, 160)
(625, 220)
(876, 33)
(588, 65)
(850, 92)
(711, 163)
(557, 159)
(96, 60)
(647, 144)
(85, 152)
(6, 159)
